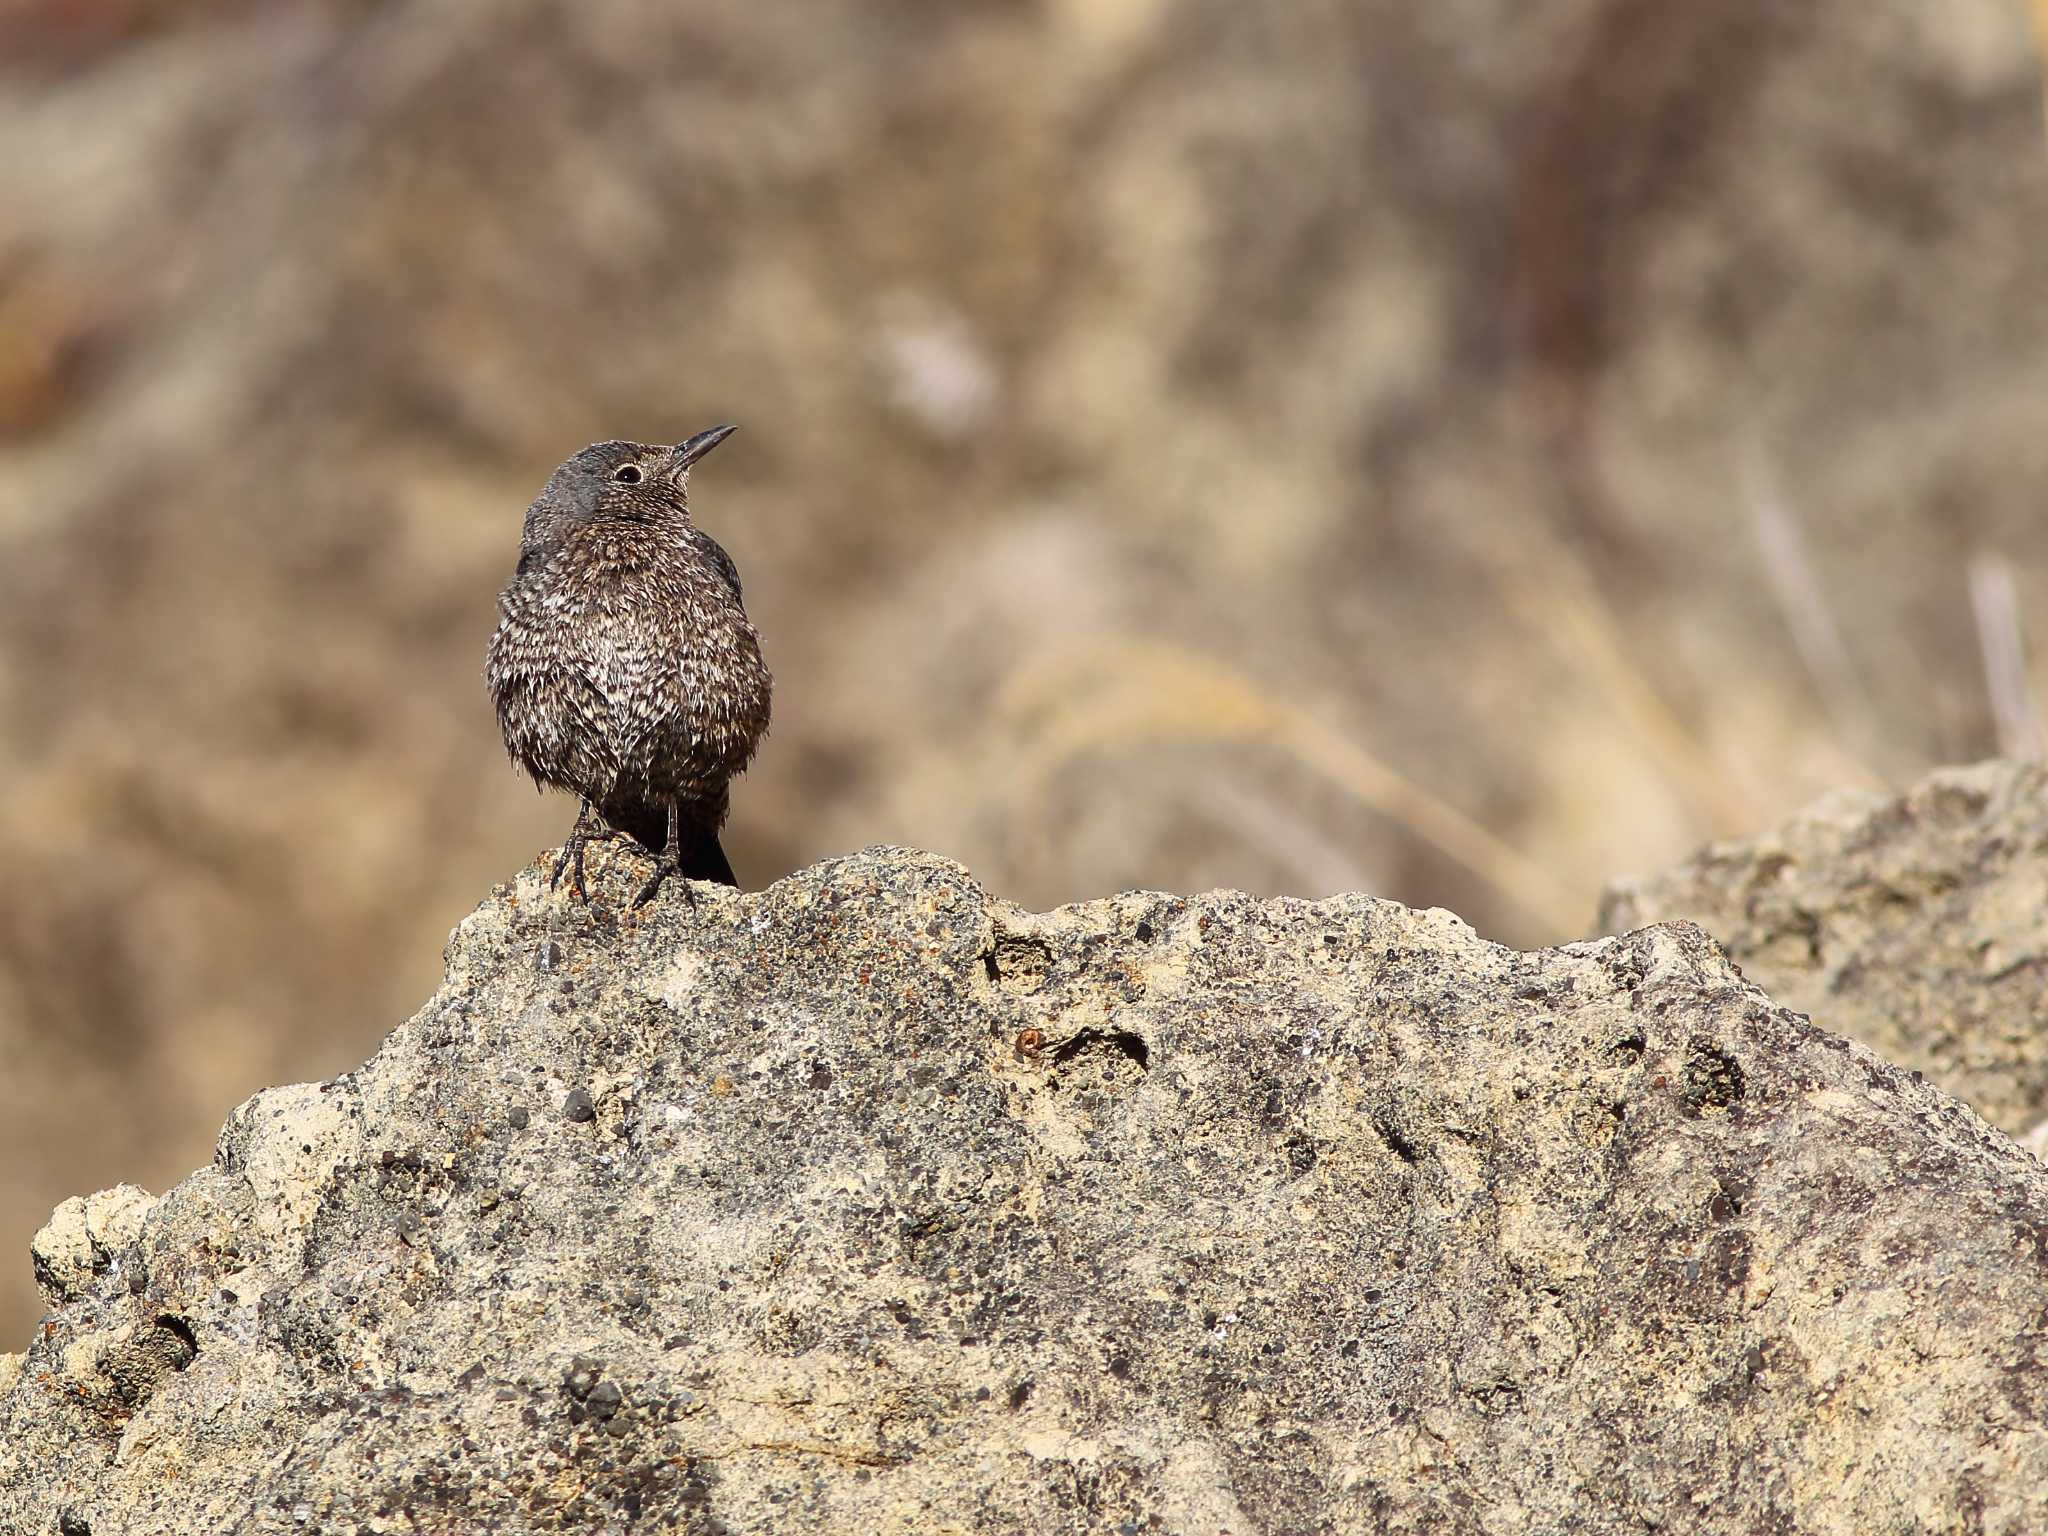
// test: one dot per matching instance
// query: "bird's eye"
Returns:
(627, 474)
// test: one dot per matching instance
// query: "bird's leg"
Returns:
(571, 857)
(669, 861)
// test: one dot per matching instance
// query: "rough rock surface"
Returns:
(870, 1203)
(1473, 373)
(1918, 925)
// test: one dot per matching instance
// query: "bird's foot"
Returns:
(666, 865)
(570, 860)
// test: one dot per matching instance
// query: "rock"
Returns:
(1918, 925)
(287, 1144)
(84, 1238)
(1291, 1216)
(1286, 334)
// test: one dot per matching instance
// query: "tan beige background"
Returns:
(1459, 451)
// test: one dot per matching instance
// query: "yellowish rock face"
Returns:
(870, 1195)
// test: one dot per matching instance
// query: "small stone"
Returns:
(583, 1375)
(517, 1117)
(604, 1399)
(578, 1107)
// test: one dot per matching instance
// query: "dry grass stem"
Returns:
(1994, 599)
(1547, 586)
(1263, 815)
(1781, 549)
(1118, 695)
(2041, 40)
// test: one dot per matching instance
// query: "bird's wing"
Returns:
(721, 562)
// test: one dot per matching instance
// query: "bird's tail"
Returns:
(703, 859)
(646, 822)
(642, 820)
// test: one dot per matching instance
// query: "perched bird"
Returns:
(624, 668)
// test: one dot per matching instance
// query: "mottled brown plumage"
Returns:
(624, 668)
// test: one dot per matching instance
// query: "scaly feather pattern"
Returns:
(624, 667)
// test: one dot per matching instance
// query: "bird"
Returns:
(624, 667)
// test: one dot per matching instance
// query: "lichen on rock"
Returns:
(871, 1203)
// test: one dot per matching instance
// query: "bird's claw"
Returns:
(665, 866)
(570, 859)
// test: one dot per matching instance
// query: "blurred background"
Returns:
(1462, 451)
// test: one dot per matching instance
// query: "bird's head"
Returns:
(626, 482)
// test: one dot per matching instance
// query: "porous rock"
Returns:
(902, 1209)
(1916, 923)
(84, 1239)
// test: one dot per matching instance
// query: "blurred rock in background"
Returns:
(1462, 451)
(1916, 924)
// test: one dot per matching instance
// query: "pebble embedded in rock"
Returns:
(517, 1117)
(578, 1107)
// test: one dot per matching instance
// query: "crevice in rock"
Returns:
(1121, 1040)
(1397, 1143)
(1713, 1078)
(186, 1348)
(1019, 962)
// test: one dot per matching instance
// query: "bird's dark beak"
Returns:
(691, 449)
